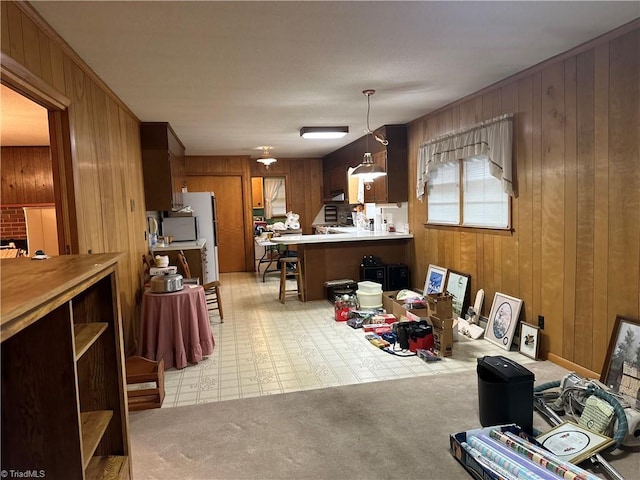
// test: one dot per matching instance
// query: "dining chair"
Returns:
(147, 264)
(211, 289)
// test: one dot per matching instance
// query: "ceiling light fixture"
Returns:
(323, 132)
(266, 159)
(368, 170)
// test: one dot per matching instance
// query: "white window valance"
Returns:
(491, 138)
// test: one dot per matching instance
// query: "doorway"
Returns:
(28, 204)
(231, 222)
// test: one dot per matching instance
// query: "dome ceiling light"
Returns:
(266, 159)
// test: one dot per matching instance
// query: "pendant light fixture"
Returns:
(266, 159)
(368, 170)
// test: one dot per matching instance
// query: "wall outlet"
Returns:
(541, 321)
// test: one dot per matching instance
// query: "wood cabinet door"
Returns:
(257, 193)
(378, 191)
(231, 229)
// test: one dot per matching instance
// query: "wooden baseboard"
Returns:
(574, 367)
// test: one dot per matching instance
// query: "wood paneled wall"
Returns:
(574, 253)
(27, 175)
(107, 169)
(303, 184)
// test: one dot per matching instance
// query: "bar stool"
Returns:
(296, 271)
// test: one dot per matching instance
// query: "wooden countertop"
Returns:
(28, 287)
(355, 236)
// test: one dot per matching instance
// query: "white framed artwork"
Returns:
(529, 337)
(435, 282)
(503, 319)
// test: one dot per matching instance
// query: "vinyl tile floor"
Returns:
(267, 348)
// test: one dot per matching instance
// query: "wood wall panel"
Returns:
(303, 183)
(105, 152)
(574, 253)
(26, 175)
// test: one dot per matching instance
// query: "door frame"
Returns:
(18, 78)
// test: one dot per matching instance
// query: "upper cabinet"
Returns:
(163, 166)
(257, 192)
(391, 188)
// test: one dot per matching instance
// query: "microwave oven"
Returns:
(182, 229)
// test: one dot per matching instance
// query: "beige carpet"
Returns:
(381, 430)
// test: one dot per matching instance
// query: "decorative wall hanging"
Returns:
(503, 319)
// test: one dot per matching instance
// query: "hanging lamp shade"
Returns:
(368, 170)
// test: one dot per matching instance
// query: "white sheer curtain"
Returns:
(272, 187)
(492, 138)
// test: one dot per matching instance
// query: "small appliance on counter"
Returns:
(182, 229)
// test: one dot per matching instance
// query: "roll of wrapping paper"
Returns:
(565, 470)
(523, 460)
(486, 463)
(508, 462)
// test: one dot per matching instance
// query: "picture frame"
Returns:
(459, 286)
(436, 280)
(621, 353)
(503, 320)
(572, 443)
(529, 337)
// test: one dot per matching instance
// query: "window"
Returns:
(464, 192)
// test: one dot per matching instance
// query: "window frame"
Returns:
(460, 226)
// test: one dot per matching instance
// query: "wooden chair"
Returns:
(211, 289)
(142, 370)
(147, 263)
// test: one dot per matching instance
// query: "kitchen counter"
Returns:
(340, 235)
(197, 245)
(333, 256)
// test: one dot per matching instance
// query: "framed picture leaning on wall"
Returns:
(529, 337)
(622, 359)
(458, 285)
(503, 319)
(435, 282)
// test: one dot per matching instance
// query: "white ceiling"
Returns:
(23, 123)
(231, 76)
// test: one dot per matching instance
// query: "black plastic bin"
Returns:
(505, 393)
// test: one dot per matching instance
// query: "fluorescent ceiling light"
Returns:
(323, 132)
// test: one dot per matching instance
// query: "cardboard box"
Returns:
(391, 305)
(439, 322)
(443, 341)
(440, 304)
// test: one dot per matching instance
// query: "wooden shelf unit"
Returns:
(64, 408)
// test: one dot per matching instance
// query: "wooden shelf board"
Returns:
(94, 425)
(107, 468)
(85, 334)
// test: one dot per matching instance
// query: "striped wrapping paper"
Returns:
(487, 464)
(522, 460)
(509, 463)
(565, 470)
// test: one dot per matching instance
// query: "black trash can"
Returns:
(505, 393)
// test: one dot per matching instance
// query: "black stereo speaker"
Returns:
(374, 274)
(397, 276)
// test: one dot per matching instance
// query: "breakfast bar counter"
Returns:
(334, 256)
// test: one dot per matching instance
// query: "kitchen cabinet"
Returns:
(257, 192)
(64, 406)
(391, 188)
(163, 166)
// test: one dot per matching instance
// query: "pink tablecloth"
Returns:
(175, 327)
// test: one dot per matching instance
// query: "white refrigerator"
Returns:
(203, 205)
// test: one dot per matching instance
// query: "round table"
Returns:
(175, 327)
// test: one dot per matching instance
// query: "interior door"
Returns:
(231, 230)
